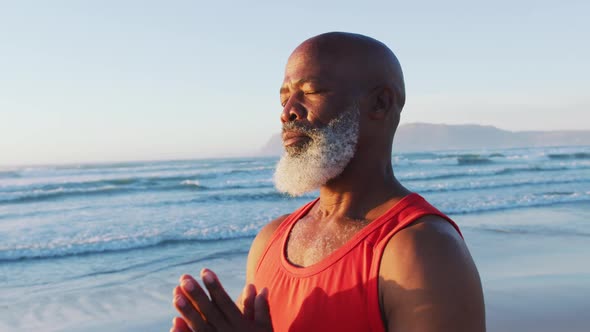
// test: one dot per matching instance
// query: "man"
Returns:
(367, 255)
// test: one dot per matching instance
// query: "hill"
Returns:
(432, 137)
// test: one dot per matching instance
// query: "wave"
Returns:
(534, 200)
(449, 158)
(560, 193)
(575, 155)
(432, 155)
(489, 172)
(482, 158)
(513, 170)
(9, 174)
(512, 184)
(245, 186)
(33, 193)
(251, 169)
(91, 246)
(469, 159)
(159, 264)
(8, 256)
(101, 166)
(536, 230)
(141, 169)
(109, 243)
(147, 177)
(215, 255)
(64, 192)
(192, 183)
(273, 195)
(116, 186)
(59, 192)
(237, 197)
(418, 155)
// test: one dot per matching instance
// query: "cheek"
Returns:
(369, 130)
(321, 112)
(319, 118)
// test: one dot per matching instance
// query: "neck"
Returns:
(359, 191)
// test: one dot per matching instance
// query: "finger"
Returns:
(262, 310)
(179, 325)
(189, 313)
(220, 297)
(197, 296)
(248, 296)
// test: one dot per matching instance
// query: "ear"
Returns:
(382, 102)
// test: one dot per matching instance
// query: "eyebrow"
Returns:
(285, 89)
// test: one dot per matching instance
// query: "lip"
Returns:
(292, 138)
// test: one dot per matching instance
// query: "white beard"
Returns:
(327, 154)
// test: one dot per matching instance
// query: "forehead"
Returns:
(309, 67)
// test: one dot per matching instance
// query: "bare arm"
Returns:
(429, 282)
(256, 251)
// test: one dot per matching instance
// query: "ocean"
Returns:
(104, 243)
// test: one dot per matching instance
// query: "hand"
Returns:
(218, 313)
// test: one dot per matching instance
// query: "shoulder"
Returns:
(428, 280)
(269, 229)
(259, 244)
(427, 240)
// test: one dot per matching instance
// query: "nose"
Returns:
(288, 115)
(292, 112)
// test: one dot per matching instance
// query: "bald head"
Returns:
(333, 74)
(364, 60)
(342, 95)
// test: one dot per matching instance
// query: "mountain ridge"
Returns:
(422, 136)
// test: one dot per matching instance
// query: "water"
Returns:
(72, 229)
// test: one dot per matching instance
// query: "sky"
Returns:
(92, 81)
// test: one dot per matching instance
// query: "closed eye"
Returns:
(313, 92)
(284, 99)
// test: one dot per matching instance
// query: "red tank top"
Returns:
(340, 293)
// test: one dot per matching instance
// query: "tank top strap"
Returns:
(415, 209)
(419, 209)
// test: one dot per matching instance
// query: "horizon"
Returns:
(110, 81)
(258, 154)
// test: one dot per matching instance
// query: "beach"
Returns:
(99, 247)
